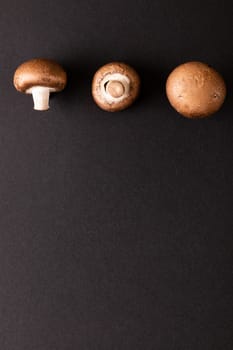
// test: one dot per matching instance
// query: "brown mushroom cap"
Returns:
(195, 90)
(40, 72)
(115, 87)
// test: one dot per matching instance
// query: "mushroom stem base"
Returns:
(40, 96)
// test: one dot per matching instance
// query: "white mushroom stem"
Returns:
(40, 96)
(115, 87)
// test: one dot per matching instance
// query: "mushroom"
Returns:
(195, 90)
(39, 77)
(115, 86)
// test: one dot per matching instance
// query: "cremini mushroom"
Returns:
(115, 86)
(40, 77)
(195, 90)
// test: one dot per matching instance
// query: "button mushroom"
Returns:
(115, 86)
(39, 77)
(195, 90)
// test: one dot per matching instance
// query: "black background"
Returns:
(115, 229)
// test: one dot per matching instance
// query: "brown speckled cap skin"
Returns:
(195, 90)
(40, 72)
(111, 68)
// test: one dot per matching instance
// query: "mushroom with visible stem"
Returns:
(40, 77)
(115, 86)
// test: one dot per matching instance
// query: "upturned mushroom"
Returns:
(115, 86)
(40, 77)
(195, 90)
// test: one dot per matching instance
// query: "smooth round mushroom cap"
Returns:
(195, 90)
(40, 72)
(120, 96)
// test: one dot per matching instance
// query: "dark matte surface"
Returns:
(115, 229)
